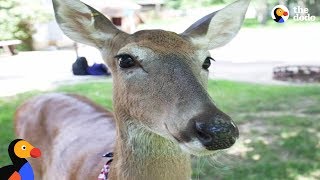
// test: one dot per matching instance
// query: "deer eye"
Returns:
(125, 60)
(207, 62)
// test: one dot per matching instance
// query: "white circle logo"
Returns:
(280, 14)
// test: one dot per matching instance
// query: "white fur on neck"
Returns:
(144, 155)
(146, 143)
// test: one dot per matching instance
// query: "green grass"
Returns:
(279, 129)
(238, 97)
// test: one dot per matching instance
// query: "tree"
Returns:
(312, 5)
(176, 4)
(17, 19)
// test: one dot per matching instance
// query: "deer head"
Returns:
(160, 77)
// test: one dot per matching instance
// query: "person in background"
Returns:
(80, 67)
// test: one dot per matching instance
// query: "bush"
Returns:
(177, 4)
(17, 19)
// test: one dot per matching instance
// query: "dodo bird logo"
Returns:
(20, 169)
(280, 14)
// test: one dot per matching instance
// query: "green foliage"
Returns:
(17, 19)
(177, 4)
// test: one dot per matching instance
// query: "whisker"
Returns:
(198, 169)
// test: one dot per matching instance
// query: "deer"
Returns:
(162, 112)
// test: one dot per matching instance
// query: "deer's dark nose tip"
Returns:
(216, 134)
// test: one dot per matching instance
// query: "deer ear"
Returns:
(218, 28)
(83, 24)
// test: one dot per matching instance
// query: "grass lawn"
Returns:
(279, 129)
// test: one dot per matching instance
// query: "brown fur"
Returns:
(156, 102)
(43, 120)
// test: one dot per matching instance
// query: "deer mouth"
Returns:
(179, 140)
(193, 147)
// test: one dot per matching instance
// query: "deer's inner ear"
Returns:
(218, 28)
(83, 24)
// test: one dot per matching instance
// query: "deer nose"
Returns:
(216, 134)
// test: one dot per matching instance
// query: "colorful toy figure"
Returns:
(20, 169)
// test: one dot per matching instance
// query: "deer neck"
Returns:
(142, 155)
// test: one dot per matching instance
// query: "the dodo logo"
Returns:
(280, 14)
(20, 169)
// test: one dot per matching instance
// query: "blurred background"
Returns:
(267, 78)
